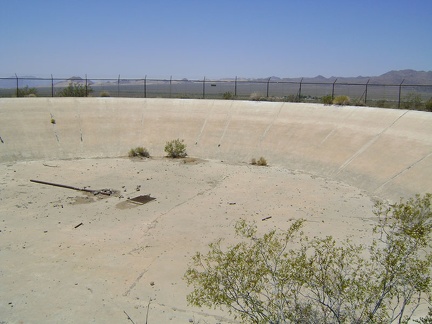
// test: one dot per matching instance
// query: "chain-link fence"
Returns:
(371, 94)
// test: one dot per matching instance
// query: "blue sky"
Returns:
(215, 38)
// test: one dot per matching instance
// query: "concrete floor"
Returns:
(72, 257)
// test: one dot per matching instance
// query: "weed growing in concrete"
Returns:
(176, 149)
(53, 121)
(261, 161)
(139, 151)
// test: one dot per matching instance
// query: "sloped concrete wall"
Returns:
(382, 151)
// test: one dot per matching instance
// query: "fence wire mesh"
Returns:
(389, 95)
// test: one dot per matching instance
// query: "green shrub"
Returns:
(75, 90)
(228, 95)
(411, 101)
(381, 103)
(327, 100)
(427, 319)
(287, 277)
(358, 102)
(105, 94)
(292, 98)
(256, 96)
(176, 148)
(341, 100)
(184, 96)
(428, 105)
(139, 151)
(27, 92)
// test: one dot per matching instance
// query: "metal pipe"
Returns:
(103, 191)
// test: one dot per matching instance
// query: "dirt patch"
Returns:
(192, 160)
(79, 200)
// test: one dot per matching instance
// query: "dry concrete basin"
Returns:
(69, 256)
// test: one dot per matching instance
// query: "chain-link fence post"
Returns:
(300, 89)
(333, 88)
(170, 87)
(268, 85)
(145, 86)
(400, 89)
(366, 89)
(118, 86)
(204, 80)
(17, 89)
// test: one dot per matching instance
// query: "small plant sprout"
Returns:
(53, 121)
(176, 149)
(139, 151)
(261, 161)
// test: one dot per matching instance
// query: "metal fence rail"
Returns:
(392, 95)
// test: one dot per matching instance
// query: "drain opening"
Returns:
(141, 200)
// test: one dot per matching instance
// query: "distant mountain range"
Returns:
(33, 82)
(393, 77)
(411, 77)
